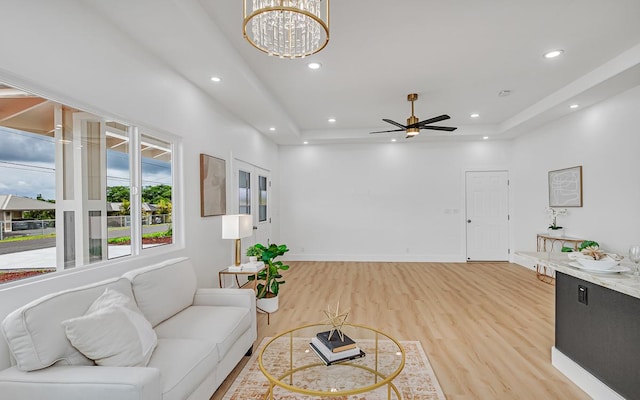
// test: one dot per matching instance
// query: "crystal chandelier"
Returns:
(286, 28)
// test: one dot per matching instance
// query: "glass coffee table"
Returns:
(289, 363)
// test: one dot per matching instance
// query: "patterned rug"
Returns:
(417, 380)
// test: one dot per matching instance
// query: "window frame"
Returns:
(177, 185)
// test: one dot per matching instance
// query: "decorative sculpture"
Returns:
(336, 319)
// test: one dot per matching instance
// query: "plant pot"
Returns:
(253, 259)
(556, 232)
(267, 304)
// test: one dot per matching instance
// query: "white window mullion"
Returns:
(59, 171)
(136, 191)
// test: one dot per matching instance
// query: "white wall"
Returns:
(605, 140)
(393, 201)
(62, 51)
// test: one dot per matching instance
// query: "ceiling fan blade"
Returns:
(439, 128)
(395, 130)
(430, 121)
(399, 125)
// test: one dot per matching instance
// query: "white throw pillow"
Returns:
(113, 332)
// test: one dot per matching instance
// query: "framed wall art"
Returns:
(565, 187)
(213, 186)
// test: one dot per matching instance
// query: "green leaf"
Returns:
(268, 255)
(588, 243)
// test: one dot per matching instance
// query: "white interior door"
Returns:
(487, 211)
(253, 186)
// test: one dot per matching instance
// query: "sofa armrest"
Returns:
(81, 383)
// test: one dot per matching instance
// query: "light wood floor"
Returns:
(487, 328)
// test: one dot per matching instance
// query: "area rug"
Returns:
(417, 380)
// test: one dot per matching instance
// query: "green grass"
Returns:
(118, 240)
(127, 239)
(33, 237)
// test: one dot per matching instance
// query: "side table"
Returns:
(246, 273)
(541, 246)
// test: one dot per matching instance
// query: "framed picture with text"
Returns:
(565, 187)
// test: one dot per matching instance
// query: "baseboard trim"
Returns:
(523, 262)
(582, 378)
(376, 257)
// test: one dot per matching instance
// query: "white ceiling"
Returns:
(457, 55)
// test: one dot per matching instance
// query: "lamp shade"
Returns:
(237, 226)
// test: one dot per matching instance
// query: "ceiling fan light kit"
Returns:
(286, 28)
(414, 125)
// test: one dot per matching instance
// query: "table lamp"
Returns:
(236, 227)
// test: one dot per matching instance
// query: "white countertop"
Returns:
(621, 282)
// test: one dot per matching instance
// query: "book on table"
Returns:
(329, 357)
(336, 343)
(252, 266)
(248, 267)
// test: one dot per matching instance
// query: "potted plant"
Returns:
(270, 279)
(254, 253)
(554, 229)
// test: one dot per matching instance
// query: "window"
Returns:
(244, 192)
(156, 191)
(262, 198)
(118, 189)
(66, 182)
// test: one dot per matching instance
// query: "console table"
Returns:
(542, 240)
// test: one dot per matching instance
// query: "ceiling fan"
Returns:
(414, 125)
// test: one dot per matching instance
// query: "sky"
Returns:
(27, 166)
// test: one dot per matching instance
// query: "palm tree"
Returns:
(164, 207)
(125, 207)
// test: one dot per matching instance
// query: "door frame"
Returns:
(466, 217)
(260, 228)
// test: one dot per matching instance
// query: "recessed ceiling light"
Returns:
(393, 140)
(314, 65)
(485, 137)
(305, 142)
(474, 115)
(553, 53)
(272, 129)
(215, 79)
(504, 93)
(331, 120)
(574, 106)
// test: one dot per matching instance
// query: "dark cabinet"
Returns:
(599, 329)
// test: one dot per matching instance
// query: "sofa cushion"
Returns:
(164, 289)
(184, 364)
(113, 332)
(219, 324)
(34, 332)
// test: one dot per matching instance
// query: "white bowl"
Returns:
(600, 265)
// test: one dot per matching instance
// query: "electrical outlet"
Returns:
(582, 294)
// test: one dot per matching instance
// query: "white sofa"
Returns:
(202, 334)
